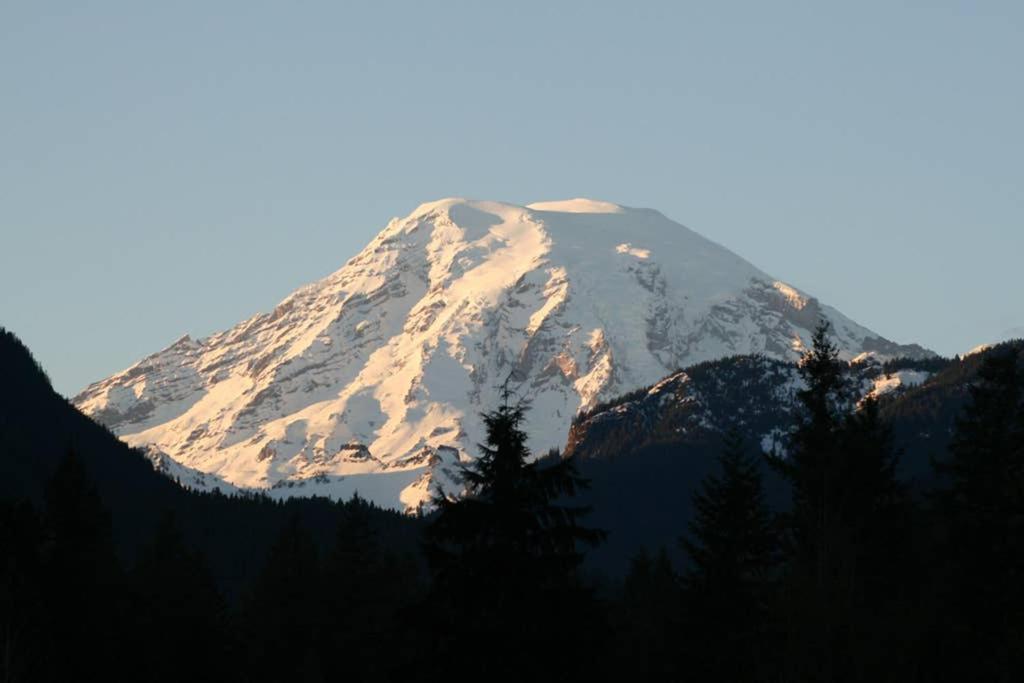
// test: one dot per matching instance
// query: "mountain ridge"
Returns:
(382, 367)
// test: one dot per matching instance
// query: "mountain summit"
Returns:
(372, 378)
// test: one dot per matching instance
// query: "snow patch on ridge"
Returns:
(795, 298)
(626, 248)
(888, 383)
(980, 348)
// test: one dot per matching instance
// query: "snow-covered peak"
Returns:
(379, 371)
(578, 205)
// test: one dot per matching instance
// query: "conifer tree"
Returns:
(732, 546)
(365, 586)
(811, 458)
(844, 527)
(504, 555)
(650, 579)
(872, 503)
(809, 465)
(648, 629)
(873, 568)
(22, 605)
(983, 509)
(733, 553)
(177, 608)
(85, 587)
(512, 514)
(284, 615)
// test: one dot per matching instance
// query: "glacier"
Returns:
(372, 378)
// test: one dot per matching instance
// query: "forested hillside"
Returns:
(879, 539)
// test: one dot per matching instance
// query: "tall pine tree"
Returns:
(983, 513)
(176, 607)
(284, 613)
(506, 596)
(647, 622)
(84, 583)
(733, 552)
(23, 612)
(365, 587)
(844, 526)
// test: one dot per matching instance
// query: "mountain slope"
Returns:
(382, 367)
(38, 427)
(757, 396)
(646, 452)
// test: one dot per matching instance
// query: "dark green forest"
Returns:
(883, 543)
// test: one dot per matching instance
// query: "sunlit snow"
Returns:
(373, 378)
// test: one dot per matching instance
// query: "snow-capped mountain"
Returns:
(373, 377)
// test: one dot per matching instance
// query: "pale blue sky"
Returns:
(176, 167)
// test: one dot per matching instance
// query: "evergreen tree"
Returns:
(177, 609)
(648, 635)
(365, 587)
(284, 613)
(873, 506)
(813, 638)
(84, 583)
(843, 529)
(504, 556)
(811, 458)
(22, 607)
(733, 553)
(872, 565)
(983, 511)
(732, 546)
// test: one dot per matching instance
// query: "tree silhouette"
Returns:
(983, 510)
(177, 608)
(809, 463)
(284, 613)
(648, 638)
(22, 607)
(733, 552)
(365, 587)
(84, 584)
(504, 556)
(845, 526)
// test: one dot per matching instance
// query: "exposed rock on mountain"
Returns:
(379, 370)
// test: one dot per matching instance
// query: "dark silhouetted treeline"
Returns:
(861, 577)
(819, 562)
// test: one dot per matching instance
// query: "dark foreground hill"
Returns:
(832, 564)
(647, 451)
(39, 428)
(645, 454)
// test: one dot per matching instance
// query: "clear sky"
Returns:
(176, 167)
